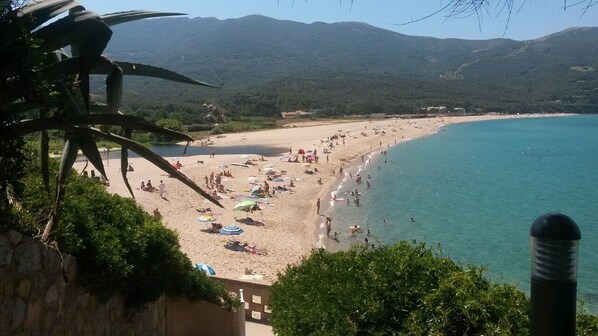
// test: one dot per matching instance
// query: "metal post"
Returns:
(555, 244)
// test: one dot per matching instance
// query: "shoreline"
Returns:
(355, 166)
(292, 226)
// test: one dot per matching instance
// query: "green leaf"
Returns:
(135, 69)
(56, 122)
(114, 88)
(85, 32)
(124, 162)
(90, 149)
(44, 141)
(43, 11)
(113, 19)
(103, 67)
(155, 159)
(69, 156)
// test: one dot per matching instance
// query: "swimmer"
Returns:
(411, 219)
(385, 221)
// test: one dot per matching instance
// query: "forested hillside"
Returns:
(265, 66)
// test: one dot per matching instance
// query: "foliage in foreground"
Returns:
(403, 289)
(120, 249)
(46, 89)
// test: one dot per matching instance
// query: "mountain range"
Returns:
(264, 66)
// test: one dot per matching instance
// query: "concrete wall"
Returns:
(256, 296)
(39, 295)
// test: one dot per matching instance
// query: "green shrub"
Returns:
(199, 127)
(217, 131)
(401, 289)
(120, 248)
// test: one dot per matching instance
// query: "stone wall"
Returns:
(39, 295)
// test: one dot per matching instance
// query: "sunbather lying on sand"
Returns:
(253, 249)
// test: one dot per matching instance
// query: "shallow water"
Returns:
(476, 188)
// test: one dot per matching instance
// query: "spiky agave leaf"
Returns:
(45, 10)
(124, 161)
(136, 69)
(126, 121)
(114, 88)
(83, 30)
(113, 19)
(69, 156)
(154, 158)
(90, 150)
(44, 144)
(104, 67)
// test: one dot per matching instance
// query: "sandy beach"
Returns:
(290, 222)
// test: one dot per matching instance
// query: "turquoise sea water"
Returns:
(476, 188)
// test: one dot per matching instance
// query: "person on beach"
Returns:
(354, 229)
(318, 206)
(348, 202)
(328, 226)
(340, 171)
(143, 186)
(162, 188)
(130, 168)
(157, 213)
(148, 186)
(335, 236)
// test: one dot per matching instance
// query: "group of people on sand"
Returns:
(99, 178)
(214, 181)
(150, 188)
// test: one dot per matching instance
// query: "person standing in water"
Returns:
(328, 226)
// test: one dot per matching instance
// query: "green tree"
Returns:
(169, 123)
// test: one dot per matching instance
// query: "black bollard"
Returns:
(555, 245)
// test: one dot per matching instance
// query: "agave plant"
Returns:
(66, 105)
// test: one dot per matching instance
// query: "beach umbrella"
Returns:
(207, 218)
(245, 205)
(256, 189)
(207, 269)
(269, 169)
(231, 230)
(252, 179)
(269, 165)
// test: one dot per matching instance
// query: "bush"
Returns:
(120, 248)
(217, 131)
(199, 127)
(401, 289)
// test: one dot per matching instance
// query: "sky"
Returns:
(530, 19)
